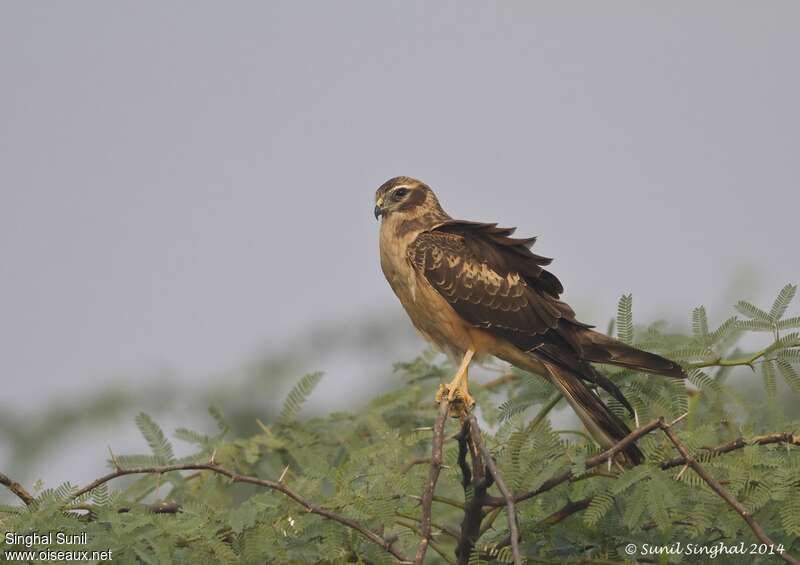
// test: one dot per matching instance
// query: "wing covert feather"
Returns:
(484, 291)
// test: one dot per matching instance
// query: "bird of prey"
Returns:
(473, 291)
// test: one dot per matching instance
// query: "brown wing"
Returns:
(495, 282)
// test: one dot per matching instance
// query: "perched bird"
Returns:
(473, 291)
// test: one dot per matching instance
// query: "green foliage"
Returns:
(298, 395)
(161, 447)
(625, 319)
(365, 466)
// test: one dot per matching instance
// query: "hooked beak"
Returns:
(379, 208)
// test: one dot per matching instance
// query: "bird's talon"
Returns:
(460, 400)
(440, 393)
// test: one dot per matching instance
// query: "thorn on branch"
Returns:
(679, 418)
(114, 461)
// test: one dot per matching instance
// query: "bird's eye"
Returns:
(399, 194)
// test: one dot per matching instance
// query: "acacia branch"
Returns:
(738, 443)
(237, 478)
(507, 377)
(721, 492)
(413, 527)
(686, 459)
(441, 527)
(17, 489)
(416, 461)
(590, 462)
(475, 482)
(433, 477)
(556, 517)
(747, 360)
(566, 511)
(475, 434)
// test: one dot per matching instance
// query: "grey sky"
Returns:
(184, 184)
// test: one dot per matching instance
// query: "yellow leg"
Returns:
(457, 390)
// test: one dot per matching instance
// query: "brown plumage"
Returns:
(472, 289)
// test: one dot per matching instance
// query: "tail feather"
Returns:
(599, 348)
(570, 373)
(603, 425)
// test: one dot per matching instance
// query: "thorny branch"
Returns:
(475, 481)
(433, 477)
(738, 443)
(17, 489)
(475, 435)
(234, 478)
(720, 490)
(686, 459)
(477, 478)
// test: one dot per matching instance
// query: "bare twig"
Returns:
(413, 527)
(433, 477)
(548, 406)
(237, 478)
(507, 377)
(568, 510)
(442, 527)
(475, 482)
(17, 489)
(416, 461)
(739, 443)
(443, 499)
(475, 434)
(724, 494)
(556, 517)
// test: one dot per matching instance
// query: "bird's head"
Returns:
(404, 196)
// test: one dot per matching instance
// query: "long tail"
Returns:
(599, 348)
(603, 425)
(570, 374)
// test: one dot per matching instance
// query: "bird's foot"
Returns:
(461, 402)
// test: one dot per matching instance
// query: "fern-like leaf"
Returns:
(789, 323)
(791, 355)
(625, 318)
(724, 330)
(298, 395)
(700, 324)
(790, 514)
(789, 374)
(782, 301)
(222, 423)
(752, 311)
(756, 325)
(599, 507)
(158, 442)
(768, 372)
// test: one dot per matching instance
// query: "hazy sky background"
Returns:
(186, 185)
